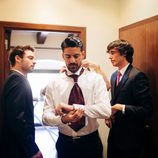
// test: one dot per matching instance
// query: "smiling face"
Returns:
(117, 59)
(73, 57)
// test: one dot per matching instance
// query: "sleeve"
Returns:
(141, 97)
(101, 107)
(49, 117)
(20, 118)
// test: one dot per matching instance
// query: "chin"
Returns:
(73, 71)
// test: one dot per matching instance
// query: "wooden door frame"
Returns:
(6, 25)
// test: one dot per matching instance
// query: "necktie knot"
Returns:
(75, 77)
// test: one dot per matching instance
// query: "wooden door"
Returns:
(143, 36)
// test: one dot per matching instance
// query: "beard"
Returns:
(73, 67)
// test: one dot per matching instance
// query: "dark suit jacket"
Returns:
(18, 133)
(133, 90)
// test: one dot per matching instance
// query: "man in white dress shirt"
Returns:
(85, 142)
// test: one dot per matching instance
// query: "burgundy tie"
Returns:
(76, 97)
(118, 77)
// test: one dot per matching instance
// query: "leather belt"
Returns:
(78, 138)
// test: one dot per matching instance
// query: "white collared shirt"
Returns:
(97, 103)
(122, 71)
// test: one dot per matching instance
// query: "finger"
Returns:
(78, 115)
(59, 111)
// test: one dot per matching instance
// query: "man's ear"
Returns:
(17, 58)
(63, 55)
(84, 54)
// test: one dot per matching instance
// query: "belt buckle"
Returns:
(76, 138)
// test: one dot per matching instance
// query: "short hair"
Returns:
(72, 41)
(124, 47)
(20, 51)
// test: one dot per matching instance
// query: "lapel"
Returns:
(116, 89)
(113, 83)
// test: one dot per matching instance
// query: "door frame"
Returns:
(7, 25)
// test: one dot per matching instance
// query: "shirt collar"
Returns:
(70, 73)
(124, 69)
(18, 72)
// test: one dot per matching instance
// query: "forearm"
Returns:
(98, 70)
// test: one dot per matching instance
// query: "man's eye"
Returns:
(31, 58)
(67, 56)
(76, 56)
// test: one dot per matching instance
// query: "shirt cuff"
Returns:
(123, 109)
(78, 106)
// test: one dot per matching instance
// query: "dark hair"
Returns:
(20, 51)
(72, 41)
(124, 47)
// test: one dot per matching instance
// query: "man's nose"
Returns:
(110, 56)
(72, 60)
(34, 61)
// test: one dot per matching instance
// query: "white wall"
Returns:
(102, 18)
(134, 10)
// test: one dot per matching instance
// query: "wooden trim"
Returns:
(2, 45)
(7, 25)
(148, 20)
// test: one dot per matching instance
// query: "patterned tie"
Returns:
(118, 77)
(76, 97)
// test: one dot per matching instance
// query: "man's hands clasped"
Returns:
(69, 113)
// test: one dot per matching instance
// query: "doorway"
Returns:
(46, 40)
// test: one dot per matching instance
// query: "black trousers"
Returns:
(89, 146)
(116, 152)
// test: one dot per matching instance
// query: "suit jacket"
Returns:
(18, 133)
(133, 91)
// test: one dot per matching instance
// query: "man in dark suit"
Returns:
(131, 103)
(18, 133)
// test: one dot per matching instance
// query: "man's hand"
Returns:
(63, 69)
(89, 64)
(62, 109)
(72, 116)
(37, 155)
(109, 121)
(116, 107)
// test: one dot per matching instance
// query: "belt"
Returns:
(78, 138)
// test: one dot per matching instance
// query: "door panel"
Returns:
(144, 37)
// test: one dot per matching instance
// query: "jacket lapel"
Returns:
(113, 85)
(116, 89)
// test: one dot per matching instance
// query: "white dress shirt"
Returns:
(97, 104)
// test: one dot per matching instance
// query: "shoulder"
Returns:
(15, 78)
(57, 79)
(91, 73)
(136, 73)
(92, 76)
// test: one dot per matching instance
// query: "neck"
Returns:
(123, 65)
(15, 68)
